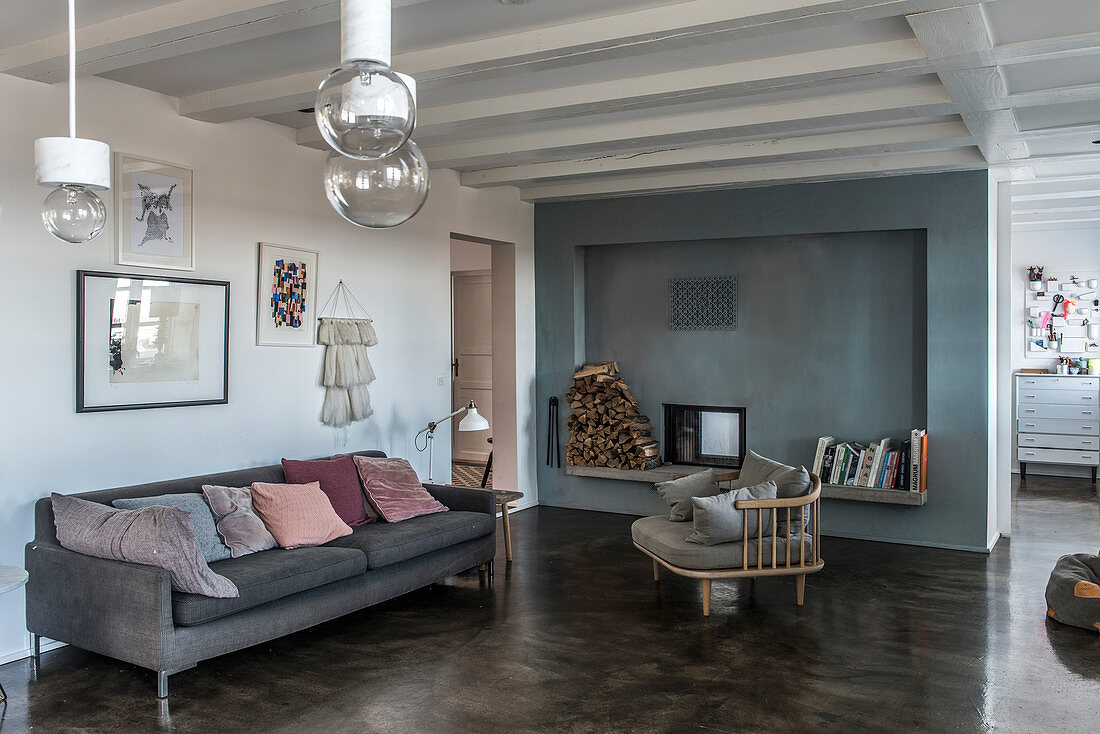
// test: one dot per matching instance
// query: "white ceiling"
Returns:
(570, 99)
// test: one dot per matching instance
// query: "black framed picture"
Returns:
(150, 341)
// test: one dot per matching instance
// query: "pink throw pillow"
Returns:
(394, 490)
(338, 480)
(297, 515)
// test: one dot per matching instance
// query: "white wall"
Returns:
(470, 256)
(252, 184)
(1056, 250)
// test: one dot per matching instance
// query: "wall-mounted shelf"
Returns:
(870, 494)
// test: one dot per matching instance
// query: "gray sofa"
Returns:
(130, 612)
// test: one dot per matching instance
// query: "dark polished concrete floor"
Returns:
(575, 637)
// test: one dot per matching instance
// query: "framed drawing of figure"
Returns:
(154, 214)
(286, 303)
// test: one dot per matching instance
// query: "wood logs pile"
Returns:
(605, 428)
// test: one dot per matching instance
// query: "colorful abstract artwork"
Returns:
(289, 291)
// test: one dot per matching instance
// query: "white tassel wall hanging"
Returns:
(347, 369)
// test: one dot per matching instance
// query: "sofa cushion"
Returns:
(668, 540)
(678, 493)
(388, 543)
(394, 490)
(717, 520)
(267, 576)
(160, 536)
(239, 527)
(202, 520)
(297, 515)
(338, 479)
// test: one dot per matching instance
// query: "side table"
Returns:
(11, 578)
(504, 496)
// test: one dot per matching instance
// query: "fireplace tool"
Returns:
(553, 439)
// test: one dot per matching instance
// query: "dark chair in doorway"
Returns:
(488, 465)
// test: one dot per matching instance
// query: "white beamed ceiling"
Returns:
(578, 99)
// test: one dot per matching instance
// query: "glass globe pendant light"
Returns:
(364, 109)
(379, 193)
(75, 168)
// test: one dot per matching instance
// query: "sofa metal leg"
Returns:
(162, 684)
(3, 693)
(37, 650)
(656, 571)
(800, 588)
(706, 597)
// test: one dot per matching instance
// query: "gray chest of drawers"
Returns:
(1058, 420)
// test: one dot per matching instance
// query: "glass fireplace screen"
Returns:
(707, 435)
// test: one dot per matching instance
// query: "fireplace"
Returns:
(706, 435)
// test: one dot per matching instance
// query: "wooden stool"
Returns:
(503, 497)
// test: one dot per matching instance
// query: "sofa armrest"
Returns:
(469, 499)
(115, 608)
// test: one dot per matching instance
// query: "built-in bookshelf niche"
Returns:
(704, 435)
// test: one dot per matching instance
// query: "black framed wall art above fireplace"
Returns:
(704, 435)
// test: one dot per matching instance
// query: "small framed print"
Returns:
(154, 214)
(150, 341)
(286, 303)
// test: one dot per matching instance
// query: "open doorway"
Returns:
(471, 357)
(483, 360)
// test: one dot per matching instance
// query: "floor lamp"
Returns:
(472, 421)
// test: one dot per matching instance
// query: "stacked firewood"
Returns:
(605, 428)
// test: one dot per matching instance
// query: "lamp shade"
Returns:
(473, 421)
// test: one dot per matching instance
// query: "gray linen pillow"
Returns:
(235, 518)
(789, 482)
(678, 493)
(155, 536)
(716, 520)
(201, 519)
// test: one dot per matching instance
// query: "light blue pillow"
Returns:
(202, 520)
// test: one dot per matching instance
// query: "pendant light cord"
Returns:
(72, 68)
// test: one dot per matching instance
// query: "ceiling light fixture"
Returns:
(375, 176)
(75, 168)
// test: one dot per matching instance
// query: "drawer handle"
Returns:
(1028, 438)
(1086, 397)
(1086, 412)
(1029, 396)
(1086, 442)
(1029, 410)
(1032, 425)
(1029, 453)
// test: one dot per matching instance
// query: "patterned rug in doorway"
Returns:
(469, 475)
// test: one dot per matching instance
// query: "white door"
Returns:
(472, 360)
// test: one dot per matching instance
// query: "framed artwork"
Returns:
(286, 304)
(150, 341)
(154, 214)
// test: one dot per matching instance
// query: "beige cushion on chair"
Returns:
(717, 520)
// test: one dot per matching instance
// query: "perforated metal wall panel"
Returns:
(702, 304)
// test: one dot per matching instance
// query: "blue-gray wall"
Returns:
(944, 218)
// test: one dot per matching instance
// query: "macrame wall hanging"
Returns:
(347, 369)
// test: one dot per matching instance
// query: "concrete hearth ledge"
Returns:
(660, 474)
(671, 471)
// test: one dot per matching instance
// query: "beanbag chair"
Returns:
(1073, 591)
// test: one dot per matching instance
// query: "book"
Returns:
(861, 465)
(838, 459)
(853, 463)
(923, 461)
(893, 467)
(904, 459)
(876, 474)
(864, 479)
(819, 458)
(915, 458)
(827, 464)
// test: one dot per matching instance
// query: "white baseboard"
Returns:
(46, 646)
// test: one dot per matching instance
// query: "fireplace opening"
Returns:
(705, 435)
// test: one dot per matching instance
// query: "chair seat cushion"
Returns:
(267, 576)
(668, 540)
(387, 543)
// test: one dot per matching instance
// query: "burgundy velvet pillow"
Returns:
(394, 489)
(339, 481)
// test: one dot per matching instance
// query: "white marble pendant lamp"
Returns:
(375, 176)
(75, 168)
